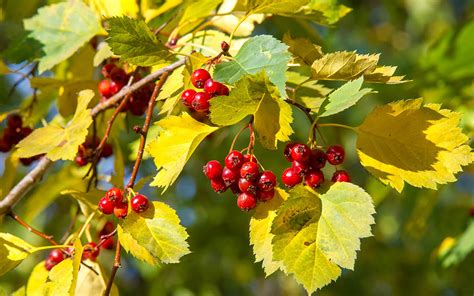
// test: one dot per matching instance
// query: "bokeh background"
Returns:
(432, 43)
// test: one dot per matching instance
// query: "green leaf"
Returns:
(463, 246)
(104, 52)
(196, 11)
(154, 236)
(315, 233)
(310, 94)
(176, 142)
(13, 250)
(133, 41)
(90, 198)
(258, 53)
(281, 7)
(344, 65)
(406, 141)
(260, 235)
(60, 142)
(257, 96)
(344, 97)
(62, 29)
(304, 50)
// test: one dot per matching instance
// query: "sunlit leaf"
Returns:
(93, 282)
(109, 8)
(304, 50)
(407, 141)
(13, 250)
(60, 278)
(37, 279)
(154, 236)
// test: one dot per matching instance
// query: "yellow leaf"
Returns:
(208, 43)
(60, 142)
(60, 279)
(260, 235)
(305, 51)
(407, 141)
(12, 252)
(92, 283)
(227, 23)
(179, 137)
(36, 281)
(110, 8)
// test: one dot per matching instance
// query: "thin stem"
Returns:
(37, 249)
(237, 26)
(31, 229)
(307, 111)
(86, 224)
(252, 137)
(104, 238)
(237, 136)
(338, 125)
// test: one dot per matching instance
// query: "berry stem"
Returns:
(237, 136)
(103, 238)
(338, 125)
(31, 229)
(252, 138)
(86, 224)
(241, 20)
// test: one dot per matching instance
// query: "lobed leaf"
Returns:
(13, 250)
(304, 50)
(408, 142)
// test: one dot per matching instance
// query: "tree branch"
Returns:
(33, 177)
(31, 229)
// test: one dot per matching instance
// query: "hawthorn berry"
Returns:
(471, 212)
(106, 206)
(218, 185)
(118, 75)
(335, 154)
(201, 102)
(223, 90)
(121, 210)
(106, 69)
(341, 176)
(249, 170)
(187, 97)
(213, 87)
(265, 195)
(108, 244)
(230, 176)
(287, 151)
(225, 46)
(300, 152)
(49, 264)
(266, 181)
(299, 167)
(317, 159)
(115, 195)
(199, 77)
(80, 160)
(314, 178)
(14, 121)
(107, 229)
(248, 158)
(246, 185)
(234, 160)
(139, 203)
(56, 255)
(108, 88)
(107, 150)
(213, 169)
(290, 178)
(234, 187)
(5, 146)
(91, 251)
(246, 201)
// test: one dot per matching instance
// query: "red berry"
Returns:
(108, 244)
(173, 42)
(90, 251)
(246, 185)
(213, 170)
(266, 181)
(212, 87)
(300, 167)
(12, 136)
(56, 255)
(119, 76)
(121, 210)
(225, 46)
(104, 88)
(230, 176)
(471, 212)
(314, 178)
(218, 185)
(335, 154)
(27, 161)
(223, 90)
(201, 102)
(235, 188)
(114, 195)
(80, 161)
(199, 77)
(234, 160)
(187, 97)
(290, 178)
(107, 68)
(106, 206)
(341, 176)
(139, 203)
(107, 150)
(249, 170)
(14, 121)
(5, 146)
(317, 159)
(287, 151)
(248, 158)
(300, 152)
(246, 201)
(265, 195)
(49, 264)
(108, 228)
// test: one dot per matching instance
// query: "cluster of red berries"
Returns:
(115, 79)
(307, 164)
(242, 175)
(114, 202)
(91, 251)
(13, 134)
(108, 228)
(85, 152)
(199, 101)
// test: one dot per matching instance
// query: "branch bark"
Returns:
(35, 175)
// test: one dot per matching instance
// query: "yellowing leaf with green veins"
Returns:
(408, 142)
(154, 236)
(60, 279)
(344, 97)
(93, 283)
(304, 51)
(176, 142)
(257, 54)
(255, 95)
(344, 65)
(62, 29)
(310, 94)
(12, 251)
(316, 234)
(208, 43)
(37, 279)
(109, 8)
(60, 142)
(260, 235)
(135, 43)
(104, 52)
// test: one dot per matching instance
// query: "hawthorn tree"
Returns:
(188, 69)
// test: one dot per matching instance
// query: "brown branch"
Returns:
(31, 229)
(114, 269)
(33, 177)
(103, 238)
(306, 111)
